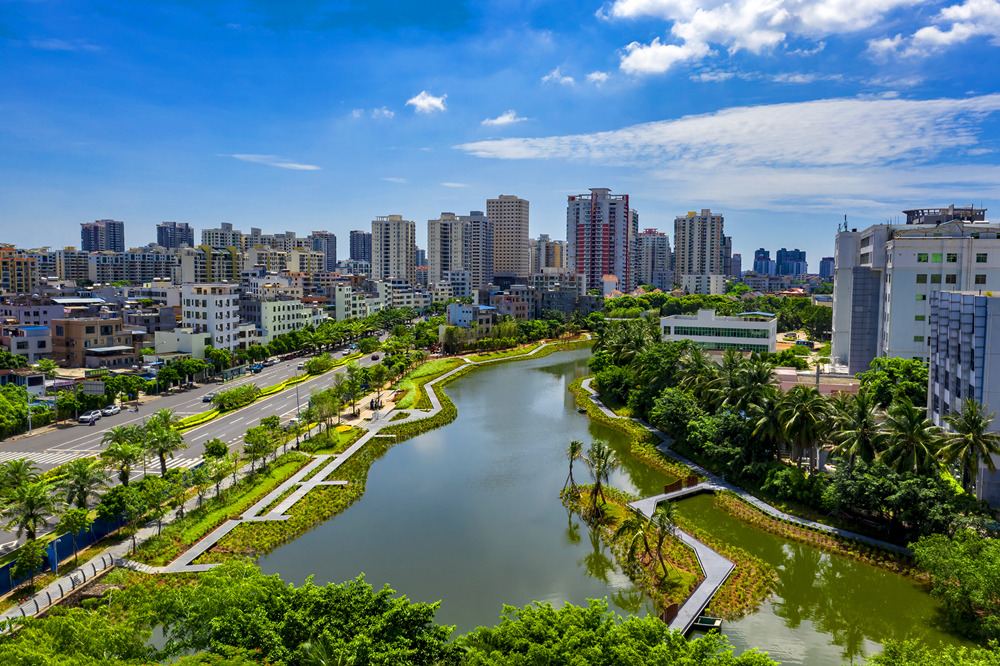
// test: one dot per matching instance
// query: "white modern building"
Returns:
(748, 331)
(884, 275)
(704, 284)
(213, 309)
(698, 244)
(393, 245)
(654, 260)
(964, 337)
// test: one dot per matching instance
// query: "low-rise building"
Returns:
(748, 331)
(32, 342)
(215, 309)
(704, 284)
(92, 342)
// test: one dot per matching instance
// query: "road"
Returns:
(69, 442)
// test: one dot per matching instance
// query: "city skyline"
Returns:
(306, 116)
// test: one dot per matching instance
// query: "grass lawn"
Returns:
(413, 383)
(332, 441)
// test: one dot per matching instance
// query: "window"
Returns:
(918, 338)
(921, 257)
(921, 278)
(90, 330)
(952, 257)
(951, 278)
(980, 257)
(919, 318)
(936, 257)
(980, 279)
(936, 279)
(921, 297)
(22, 345)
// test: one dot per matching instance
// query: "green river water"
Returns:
(469, 514)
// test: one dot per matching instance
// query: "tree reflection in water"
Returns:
(596, 563)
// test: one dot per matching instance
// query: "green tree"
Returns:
(858, 431)
(10, 361)
(256, 445)
(30, 560)
(82, 479)
(47, 366)
(664, 519)
(913, 442)
(574, 452)
(970, 440)
(601, 462)
(635, 528)
(155, 497)
(73, 522)
(891, 379)
(215, 448)
(16, 473)
(804, 412)
(123, 455)
(28, 507)
(162, 442)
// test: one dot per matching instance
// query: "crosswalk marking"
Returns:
(60, 457)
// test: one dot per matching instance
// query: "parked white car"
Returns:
(111, 410)
(86, 417)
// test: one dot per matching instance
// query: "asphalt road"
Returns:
(69, 442)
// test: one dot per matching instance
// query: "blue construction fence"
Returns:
(61, 548)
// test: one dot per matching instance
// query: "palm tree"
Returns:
(803, 414)
(162, 442)
(83, 479)
(165, 417)
(757, 382)
(574, 452)
(664, 518)
(28, 506)
(696, 373)
(15, 473)
(858, 434)
(123, 455)
(970, 442)
(636, 528)
(913, 440)
(601, 462)
(764, 416)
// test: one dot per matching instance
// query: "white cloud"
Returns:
(809, 52)
(820, 134)
(955, 24)
(455, 184)
(53, 44)
(384, 112)
(426, 102)
(556, 76)
(508, 118)
(752, 25)
(390, 179)
(275, 161)
(598, 77)
(357, 113)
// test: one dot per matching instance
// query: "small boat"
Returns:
(582, 410)
(706, 623)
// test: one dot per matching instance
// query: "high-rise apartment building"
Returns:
(884, 275)
(546, 253)
(654, 260)
(173, 235)
(393, 244)
(325, 243)
(763, 264)
(18, 271)
(224, 236)
(791, 262)
(102, 235)
(601, 236)
(727, 255)
(420, 257)
(737, 265)
(699, 242)
(460, 243)
(361, 246)
(826, 268)
(510, 235)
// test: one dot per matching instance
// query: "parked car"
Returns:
(806, 343)
(269, 362)
(86, 417)
(208, 397)
(111, 410)
(374, 357)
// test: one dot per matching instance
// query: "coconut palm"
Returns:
(164, 417)
(601, 461)
(83, 478)
(858, 433)
(15, 473)
(163, 442)
(696, 373)
(664, 519)
(970, 443)
(29, 506)
(764, 416)
(635, 527)
(574, 452)
(758, 381)
(913, 441)
(123, 456)
(804, 414)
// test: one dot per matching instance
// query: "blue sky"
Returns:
(784, 115)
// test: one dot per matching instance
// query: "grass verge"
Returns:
(506, 353)
(181, 534)
(414, 382)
